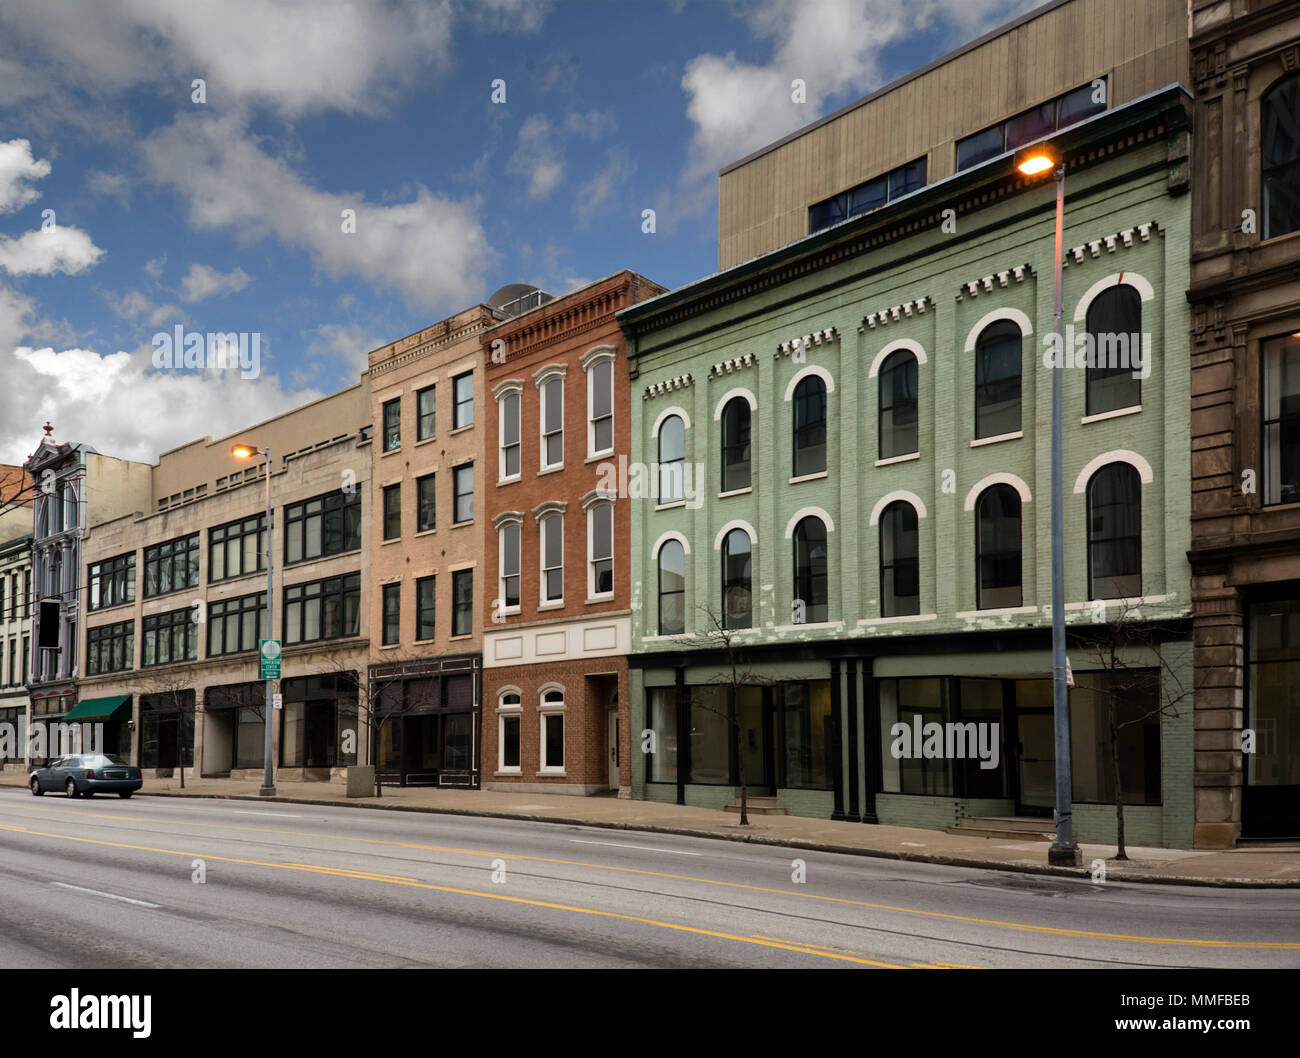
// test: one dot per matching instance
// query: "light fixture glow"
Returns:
(1035, 164)
(243, 451)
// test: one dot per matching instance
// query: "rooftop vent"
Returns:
(514, 299)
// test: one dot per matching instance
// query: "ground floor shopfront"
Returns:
(427, 720)
(920, 733)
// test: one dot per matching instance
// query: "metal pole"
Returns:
(268, 775)
(1064, 851)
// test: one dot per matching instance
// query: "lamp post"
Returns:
(1064, 851)
(245, 451)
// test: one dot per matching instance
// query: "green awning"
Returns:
(98, 708)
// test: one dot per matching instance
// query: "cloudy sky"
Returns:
(226, 214)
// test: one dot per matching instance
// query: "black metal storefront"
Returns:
(426, 721)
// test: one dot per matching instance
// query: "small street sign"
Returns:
(277, 701)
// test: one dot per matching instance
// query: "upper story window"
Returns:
(426, 419)
(1115, 332)
(392, 511)
(1115, 533)
(462, 602)
(391, 598)
(236, 625)
(672, 459)
(898, 405)
(552, 418)
(462, 486)
(997, 548)
(600, 408)
(809, 426)
(1279, 121)
(462, 393)
(510, 444)
(323, 609)
(998, 355)
(735, 444)
(867, 196)
(1281, 420)
(509, 560)
(109, 648)
(737, 568)
(900, 567)
(171, 566)
(672, 588)
(426, 511)
(170, 637)
(323, 525)
(112, 583)
(1032, 124)
(551, 529)
(600, 548)
(811, 576)
(392, 424)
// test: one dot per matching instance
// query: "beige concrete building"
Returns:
(175, 595)
(1011, 86)
(425, 589)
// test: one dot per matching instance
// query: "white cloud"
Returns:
(346, 344)
(154, 266)
(109, 185)
(17, 168)
(593, 194)
(61, 249)
(593, 124)
(537, 157)
(501, 16)
(431, 248)
(203, 282)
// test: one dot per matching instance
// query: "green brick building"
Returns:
(849, 443)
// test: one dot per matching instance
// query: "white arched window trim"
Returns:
(1119, 455)
(811, 369)
(729, 396)
(736, 524)
(997, 479)
(890, 497)
(680, 412)
(670, 535)
(806, 512)
(1138, 282)
(903, 343)
(1014, 315)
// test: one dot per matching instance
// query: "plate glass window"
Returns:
(462, 480)
(463, 396)
(997, 379)
(735, 444)
(672, 459)
(426, 413)
(672, 588)
(462, 602)
(1281, 420)
(392, 412)
(809, 426)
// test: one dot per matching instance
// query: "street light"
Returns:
(1064, 851)
(247, 451)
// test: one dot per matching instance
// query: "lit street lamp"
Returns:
(246, 451)
(1064, 851)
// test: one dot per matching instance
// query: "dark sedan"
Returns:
(87, 774)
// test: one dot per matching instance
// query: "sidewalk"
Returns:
(1277, 866)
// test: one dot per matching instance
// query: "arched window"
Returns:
(1279, 122)
(900, 563)
(509, 729)
(1115, 333)
(672, 588)
(997, 548)
(735, 444)
(737, 597)
(1115, 533)
(810, 572)
(672, 459)
(809, 426)
(552, 716)
(997, 379)
(898, 421)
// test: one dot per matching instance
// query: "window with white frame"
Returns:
(552, 731)
(600, 408)
(552, 419)
(600, 549)
(509, 729)
(508, 562)
(510, 446)
(551, 529)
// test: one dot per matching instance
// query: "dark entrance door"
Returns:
(1270, 804)
(420, 749)
(1035, 749)
(756, 717)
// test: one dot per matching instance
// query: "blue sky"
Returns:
(225, 215)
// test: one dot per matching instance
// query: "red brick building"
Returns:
(557, 618)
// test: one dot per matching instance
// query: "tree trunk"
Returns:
(180, 744)
(1121, 853)
(740, 761)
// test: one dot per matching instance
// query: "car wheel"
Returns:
(36, 787)
(124, 794)
(71, 787)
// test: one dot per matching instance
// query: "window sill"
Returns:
(736, 492)
(427, 440)
(593, 600)
(898, 459)
(390, 452)
(800, 628)
(508, 773)
(1132, 601)
(1000, 611)
(554, 604)
(810, 477)
(996, 438)
(1117, 413)
(463, 635)
(670, 506)
(89, 611)
(390, 646)
(868, 622)
(462, 525)
(667, 637)
(550, 470)
(513, 611)
(390, 540)
(426, 532)
(598, 456)
(461, 429)
(553, 773)
(509, 481)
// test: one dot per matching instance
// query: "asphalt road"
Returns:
(111, 883)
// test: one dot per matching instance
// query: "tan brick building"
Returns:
(556, 597)
(427, 406)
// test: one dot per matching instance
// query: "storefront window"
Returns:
(710, 746)
(318, 711)
(1274, 684)
(167, 730)
(1136, 695)
(905, 768)
(661, 711)
(806, 717)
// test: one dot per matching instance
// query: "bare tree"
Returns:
(1128, 649)
(176, 688)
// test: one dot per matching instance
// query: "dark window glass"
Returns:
(601, 380)
(172, 566)
(902, 701)
(237, 548)
(462, 602)
(1115, 334)
(392, 424)
(907, 178)
(1079, 104)
(824, 214)
(1134, 694)
(510, 458)
(997, 548)
(392, 511)
(672, 588)
(323, 525)
(672, 459)
(602, 549)
(425, 609)
(1115, 533)
(737, 596)
(553, 423)
(510, 564)
(1031, 125)
(425, 411)
(109, 648)
(510, 741)
(392, 600)
(997, 379)
(868, 196)
(170, 637)
(899, 435)
(462, 483)
(809, 426)
(323, 609)
(1279, 116)
(426, 510)
(236, 625)
(111, 583)
(552, 558)
(900, 564)
(463, 395)
(1273, 684)
(735, 444)
(806, 724)
(710, 736)
(980, 147)
(810, 572)
(1281, 420)
(554, 740)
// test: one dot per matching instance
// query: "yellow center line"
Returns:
(677, 927)
(1017, 926)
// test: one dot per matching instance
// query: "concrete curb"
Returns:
(776, 841)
